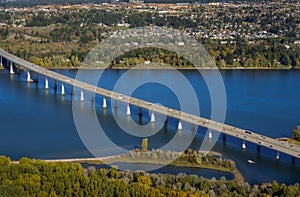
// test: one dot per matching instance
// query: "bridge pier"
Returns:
(1, 64)
(209, 134)
(55, 85)
(140, 112)
(193, 129)
(104, 103)
(277, 155)
(224, 137)
(62, 89)
(293, 160)
(244, 145)
(166, 122)
(36, 77)
(152, 117)
(46, 83)
(19, 70)
(128, 110)
(81, 96)
(258, 148)
(28, 77)
(93, 99)
(11, 69)
(179, 125)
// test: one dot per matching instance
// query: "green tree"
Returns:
(296, 133)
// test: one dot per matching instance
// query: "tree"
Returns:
(296, 133)
(145, 180)
(145, 145)
(4, 161)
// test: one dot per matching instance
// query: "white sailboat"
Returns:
(251, 161)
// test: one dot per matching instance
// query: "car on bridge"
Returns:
(248, 132)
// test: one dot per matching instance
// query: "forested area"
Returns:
(22, 3)
(259, 39)
(40, 178)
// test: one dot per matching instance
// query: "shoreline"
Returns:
(122, 158)
(164, 68)
(167, 68)
(75, 159)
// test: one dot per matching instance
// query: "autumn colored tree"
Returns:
(145, 145)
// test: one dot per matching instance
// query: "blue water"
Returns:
(38, 123)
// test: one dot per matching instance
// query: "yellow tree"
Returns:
(145, 145)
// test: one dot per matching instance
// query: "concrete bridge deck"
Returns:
(249, 136)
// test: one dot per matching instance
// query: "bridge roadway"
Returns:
(249, 136)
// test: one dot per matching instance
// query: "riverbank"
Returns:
(167, 68)
(126, 158)
(78, 160)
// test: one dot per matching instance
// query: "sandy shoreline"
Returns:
(76, 159)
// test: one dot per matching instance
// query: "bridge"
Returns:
(245, 135)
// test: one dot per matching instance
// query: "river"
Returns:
(38, 123)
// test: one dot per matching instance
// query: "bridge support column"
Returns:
(37, 78)
(81, 96)
(224, 137)
(193, 128)
(152, 117)
(179, 125)
(277, 156)
(11, 69)
(55, 85)
(104, 103)
(244, 145)
(19, 70)
(46, 83)
(62, 89)
(166, 120)
(140, 112)
(258, 148)
(1, 64)
(128, 110)
(28, 77)
(209, 134)
(293, 160)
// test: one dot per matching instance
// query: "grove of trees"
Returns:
(40, 178)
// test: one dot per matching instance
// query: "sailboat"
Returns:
(251, 161)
